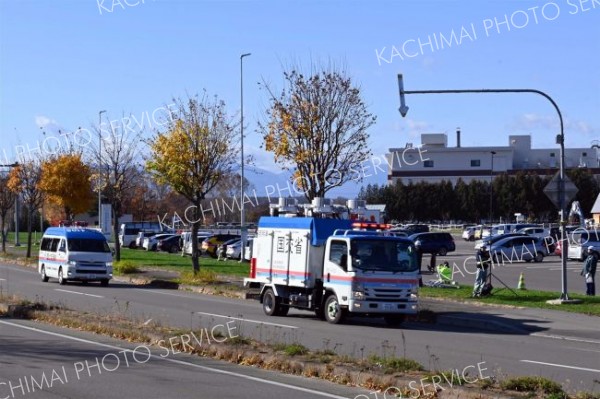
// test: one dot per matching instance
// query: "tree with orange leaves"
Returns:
(66, 180)
(318, 127)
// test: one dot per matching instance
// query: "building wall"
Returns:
(434, 161)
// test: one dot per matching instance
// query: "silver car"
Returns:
(517, 249)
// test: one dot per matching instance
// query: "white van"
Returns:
(71, 253)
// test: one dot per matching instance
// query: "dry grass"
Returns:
(373, 373)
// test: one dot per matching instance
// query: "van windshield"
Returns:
(88, 245)
(383, 255)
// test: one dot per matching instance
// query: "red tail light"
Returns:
(253, 268)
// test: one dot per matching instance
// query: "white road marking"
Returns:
(248, 320)
(79, 293)
(561, 365)
(181, 362)
(566, 338)
(1, 279)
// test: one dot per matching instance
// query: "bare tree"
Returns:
(317, 127)
(24, 180)
(7, 200)
(117, 156)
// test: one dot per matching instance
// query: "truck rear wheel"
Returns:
(272, 304)
(334, 314)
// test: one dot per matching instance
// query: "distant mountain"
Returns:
(275, 184)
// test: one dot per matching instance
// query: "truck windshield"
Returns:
(383, 255)
(88, 245)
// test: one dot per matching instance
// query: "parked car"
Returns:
(434, 243)
(139, 239)
(580, 240)
(170, 244)
(415, 228)
(516, 249)
(488, 241)
(518, 226)
(558, 248)
(210, 244)
(468, 233)
(224, 246)
(536, 231)
(150, 242)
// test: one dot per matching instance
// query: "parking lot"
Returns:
(544, 276)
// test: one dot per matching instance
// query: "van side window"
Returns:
(62, 247)
(54, 244)
(46, 242)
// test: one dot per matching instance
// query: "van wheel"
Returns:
(271, 304)
(443, 251)
(174, 249)
(104, 283)
(45, 278)
(61, 279)
(334, 314)
(539, 257)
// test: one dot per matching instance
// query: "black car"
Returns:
(171, 244)
(434, 243)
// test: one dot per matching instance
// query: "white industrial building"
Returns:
(435, 161)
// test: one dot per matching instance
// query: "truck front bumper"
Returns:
(408, 307)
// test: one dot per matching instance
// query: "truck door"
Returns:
(335, 271)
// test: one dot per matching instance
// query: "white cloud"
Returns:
(45, 123)
(551, 122)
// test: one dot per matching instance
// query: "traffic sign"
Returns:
(552, 190)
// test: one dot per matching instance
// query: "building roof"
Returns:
(596, 207)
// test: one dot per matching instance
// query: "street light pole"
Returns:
(99, 168)
(491, 188)
(243, 229)
(560, 139)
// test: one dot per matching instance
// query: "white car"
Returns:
(150, 242)
(233, 250)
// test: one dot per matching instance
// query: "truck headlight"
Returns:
(359, 295)
(109, 264)
(72, 263)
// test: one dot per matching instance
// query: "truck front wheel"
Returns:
(272, 304)
(334, 314)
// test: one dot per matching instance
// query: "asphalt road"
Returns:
(38, 361)
(545, 276)
(563, 355)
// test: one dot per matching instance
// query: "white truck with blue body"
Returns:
(324, 265)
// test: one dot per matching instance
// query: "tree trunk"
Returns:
(29, 217)
(195, 227)
(3, 232)
(116, 234)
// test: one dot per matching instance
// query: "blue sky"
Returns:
(62, 61)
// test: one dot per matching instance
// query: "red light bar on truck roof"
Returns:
(371, 226)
